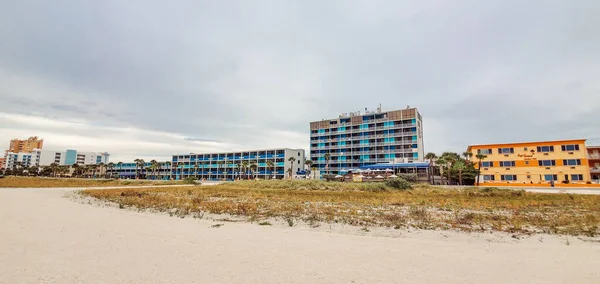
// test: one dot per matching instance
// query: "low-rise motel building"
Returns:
(563, 163)
(594, 162)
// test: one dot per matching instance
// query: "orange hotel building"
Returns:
(534, 163)
(594, 162)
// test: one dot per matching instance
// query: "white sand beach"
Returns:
(46, 238)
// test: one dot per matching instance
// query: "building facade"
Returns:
(128, 171)
(40, 157)
(354, 140)
(594, 162)
(14, 160)
(25, 146)
(538, 163)
(271, 163)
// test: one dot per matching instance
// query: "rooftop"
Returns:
(530, 143)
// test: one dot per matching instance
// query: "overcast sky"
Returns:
(153, 78)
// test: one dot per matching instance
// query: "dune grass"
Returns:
(425, 207)
(15, 181)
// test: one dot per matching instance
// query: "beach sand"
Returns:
(47, 238)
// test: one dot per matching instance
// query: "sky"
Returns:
(149, 79)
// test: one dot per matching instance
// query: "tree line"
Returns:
(452, 168)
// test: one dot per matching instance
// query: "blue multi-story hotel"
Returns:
(354, 140)
(229, 165)
(145, 171)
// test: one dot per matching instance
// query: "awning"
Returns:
(396, 166)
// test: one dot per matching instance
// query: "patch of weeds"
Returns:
(398, 183)
(465, 219)
(133, 193)
(227, 220)
(419, 214)
(290, 221)
(365, 229)
(396, 220)
(265, 223)
(217, 225)
(121, 206)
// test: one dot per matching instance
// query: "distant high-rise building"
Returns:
(359, 139)
(25, 146)
(40, 157)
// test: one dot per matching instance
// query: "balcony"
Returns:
(595, 170)
(594, 156)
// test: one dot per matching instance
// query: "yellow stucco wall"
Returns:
(526, 159)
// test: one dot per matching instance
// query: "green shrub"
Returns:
(398, 183)
(190, 180)
(409, 177)
(329, 177)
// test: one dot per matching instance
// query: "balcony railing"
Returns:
(594, 156)
(595, 170)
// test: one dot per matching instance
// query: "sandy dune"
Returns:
(45, 238)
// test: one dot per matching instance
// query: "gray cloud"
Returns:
(241, 74)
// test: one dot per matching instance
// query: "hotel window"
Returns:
(569, 148)
(488, 177)
(487, 164)
(506, 150)
(576, 177)
(547, 163)
(484, 151)
(508, 177)
(507, 163)
(545, 149)
(550, 177)
(573, 162)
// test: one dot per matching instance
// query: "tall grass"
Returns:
(424, 207)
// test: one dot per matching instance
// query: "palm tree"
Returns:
(64, 170)
(182, 164)
(308, 163)
(196, 166)
(291, 170)
(245, 165)
(76, 169)
(110, 167)
(54, 167)
(441, 162)
(480, 157)
(430, 156)
(270, 166)
(460, 166)
(253, 167)
(450, 158)
(468, 155)
(101, 166)
(120, 164)
(327, 157)
(137, 164)
(153, 167)
(168, 164)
